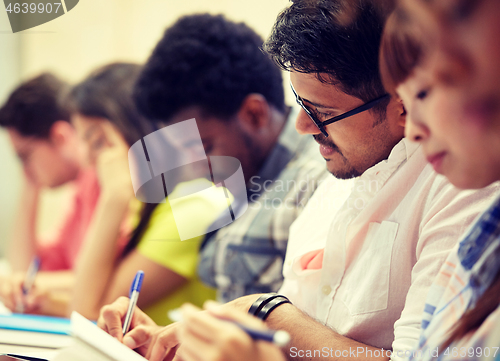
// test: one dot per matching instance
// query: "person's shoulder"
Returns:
(436, 188)
(452, 208)
(442, 189)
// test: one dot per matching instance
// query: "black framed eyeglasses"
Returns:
(321, 124)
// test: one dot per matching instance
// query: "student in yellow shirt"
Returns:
(105, 117)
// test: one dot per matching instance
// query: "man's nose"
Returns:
(305, 125)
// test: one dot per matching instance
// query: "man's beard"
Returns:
(347, 173)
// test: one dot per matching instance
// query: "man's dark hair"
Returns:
(207, 61)
(35, 106)
(322, 36)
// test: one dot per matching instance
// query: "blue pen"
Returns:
(280, 338)
(135, 288)
(29, 280)
(31, 275)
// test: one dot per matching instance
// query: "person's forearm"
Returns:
(60, 281)
(22, 246)
(57, 288)
(56, 304)
(152, 289)
(98, 256)
(311, 340)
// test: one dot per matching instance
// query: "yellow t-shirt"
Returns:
(162, 244)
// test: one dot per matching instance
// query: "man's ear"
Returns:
(254, 114)
(61, 132)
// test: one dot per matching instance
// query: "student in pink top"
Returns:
(48, 147)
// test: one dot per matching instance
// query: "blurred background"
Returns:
(94, 33)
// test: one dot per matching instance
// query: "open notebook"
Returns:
(90, 343)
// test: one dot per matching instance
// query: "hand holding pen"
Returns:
(135, 289)
(28, 283)
(227, 334)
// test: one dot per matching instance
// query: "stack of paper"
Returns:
(90, 343)
(34, 331)
(36, 337)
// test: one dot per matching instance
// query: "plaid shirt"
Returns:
(247, 256)
(463, 279)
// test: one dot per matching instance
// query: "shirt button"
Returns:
(326, 290)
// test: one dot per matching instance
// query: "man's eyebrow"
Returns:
(318, 105)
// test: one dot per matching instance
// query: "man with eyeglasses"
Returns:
(361, 289)
(364, 251)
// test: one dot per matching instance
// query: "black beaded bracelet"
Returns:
(263, 306)
(271, 305)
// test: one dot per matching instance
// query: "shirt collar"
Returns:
(383, 170)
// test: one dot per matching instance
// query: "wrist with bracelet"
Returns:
(265, 304)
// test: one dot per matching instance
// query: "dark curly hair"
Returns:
(34, 106)
(314, 36)
(207, 61)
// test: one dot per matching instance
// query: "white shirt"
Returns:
(385, 236)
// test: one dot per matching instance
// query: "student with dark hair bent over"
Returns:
(212, 69)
